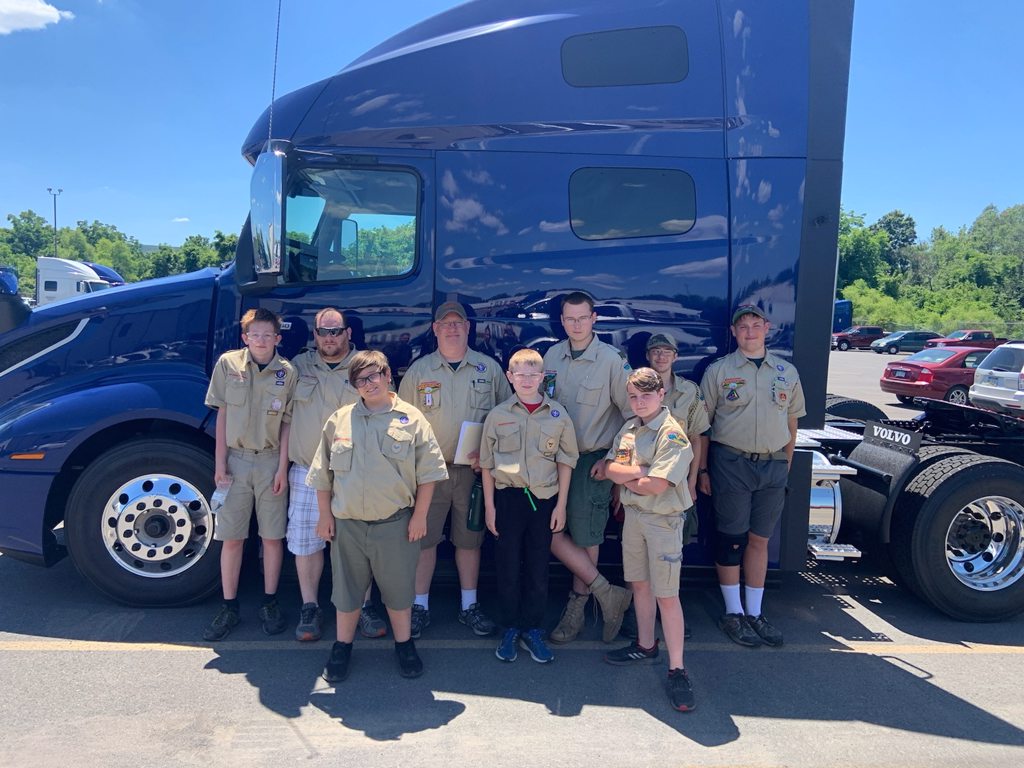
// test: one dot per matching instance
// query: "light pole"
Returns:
(50, 190)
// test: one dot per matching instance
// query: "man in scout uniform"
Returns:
(374, 472)
(754, 399)
(527, 453)
(452, 385)
(252, 390)
(589, 378)
(650, 458)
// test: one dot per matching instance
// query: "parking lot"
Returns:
(855, 373)
(869, 676)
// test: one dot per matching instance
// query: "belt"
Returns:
(765, 456)
(251, 452)
(391, 518)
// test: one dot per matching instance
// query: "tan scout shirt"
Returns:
(593, 388)
(522, 449)
(750, 407)
(373, 462)
(447, 398)
(256, 403)
(686, 404)
(661, 445)
(321, 390)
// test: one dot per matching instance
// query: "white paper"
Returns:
(469, 441)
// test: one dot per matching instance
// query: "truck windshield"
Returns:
(957, 335)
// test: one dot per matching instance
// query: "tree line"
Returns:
(973, 278)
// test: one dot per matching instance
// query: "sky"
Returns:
(137, 109)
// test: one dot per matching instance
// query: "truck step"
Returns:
(835, 552)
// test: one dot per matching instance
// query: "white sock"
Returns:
(468, 598)
(754, 597)
(423, 600)
(731, 595)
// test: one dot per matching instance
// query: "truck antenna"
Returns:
(273, 79)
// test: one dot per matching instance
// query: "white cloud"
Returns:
(180, 219)
(17, 15)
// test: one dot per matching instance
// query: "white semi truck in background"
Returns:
(58, 279)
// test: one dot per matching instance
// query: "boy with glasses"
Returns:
(374, 472)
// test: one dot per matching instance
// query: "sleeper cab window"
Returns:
(639, 56)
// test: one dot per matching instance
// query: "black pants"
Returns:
(521, 555)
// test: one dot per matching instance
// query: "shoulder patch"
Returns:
(626, 367)
(556, 414)
(678, 438)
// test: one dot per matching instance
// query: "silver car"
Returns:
(999, 379)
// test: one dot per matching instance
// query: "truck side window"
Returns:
(639, 56)
(349, 224)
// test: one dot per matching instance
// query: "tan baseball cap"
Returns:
(448, 308)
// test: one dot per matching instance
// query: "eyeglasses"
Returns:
(261, 336)
(451, 325)
(330, 331)
(373, 378)
(527, 375)
(662, 352)
(577, 320)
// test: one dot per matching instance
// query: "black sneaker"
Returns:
(680, 690)
(738, 630)
(409, 663)
(222, 624)
(769, 635)
(273, 620)
(632, 654)
(420, 621)
(336, 669)
(311, 622)
(474, 618)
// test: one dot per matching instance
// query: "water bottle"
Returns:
(220, 495)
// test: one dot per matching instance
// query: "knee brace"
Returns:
(729, 548)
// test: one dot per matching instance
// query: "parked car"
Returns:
(857, 337)
(999, 379)
(903, 341)
(941, 374)
(967, 338)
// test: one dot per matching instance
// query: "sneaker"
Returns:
(409, 663)
(680, 690)
(477, 620)
(631, 654)
(273, 620)
(769, 635)
(420, 621)
(222, 624)
(532, 640)
(506, 650)
(738, 630)
(311, 622)
(370, 623)
(336, 669)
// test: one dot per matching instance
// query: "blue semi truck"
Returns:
(672, 157)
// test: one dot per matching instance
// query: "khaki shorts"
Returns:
(587, 503)
(253, 473)
(452, 495)
(652, 550)
(380, 551)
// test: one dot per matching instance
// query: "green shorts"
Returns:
(380, 551)
(588, 502)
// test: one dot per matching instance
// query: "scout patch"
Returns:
(555, 414)
(280, 373)
(481, 367)
(428, 391)
(678, 439)
(403, 420)
(731, 387)
(549, 383)
(625, 450)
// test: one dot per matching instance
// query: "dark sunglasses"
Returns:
(329, 331)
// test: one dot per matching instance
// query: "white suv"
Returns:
(999, 379)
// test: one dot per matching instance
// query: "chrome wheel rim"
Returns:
(984, 546)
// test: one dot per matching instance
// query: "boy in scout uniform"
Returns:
(754, 399)
(323, 387)
(589, 377)
(452, 385)
(252, 390)
(374, 472)
(650, 458)
(527, 453)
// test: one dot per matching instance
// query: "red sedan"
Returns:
(944, 373)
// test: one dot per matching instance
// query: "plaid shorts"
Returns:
(303, 514)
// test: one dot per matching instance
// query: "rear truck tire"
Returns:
(848, 408)
(843, 345)
(958, 395)
(905, 399)
(958, 530)
(893, 349)
(139, 526)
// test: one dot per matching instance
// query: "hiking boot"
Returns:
(270, 615)
(409, 663)
(613, 601)
(311, 622)
(738, 630)
(222, 624)
(532, 640)
(420, 621)
(632, 654)
(336, 669)
(370, 623)
(572, 620)
(506, 650)
(477, 620)
(628, 629)
(680, 690)
(769, 635)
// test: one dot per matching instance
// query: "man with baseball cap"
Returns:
(754, 399)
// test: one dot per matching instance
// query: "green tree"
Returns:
(225, 245)
(29, 234)
(902, 234)
(861, 251)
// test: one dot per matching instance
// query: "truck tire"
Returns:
(848, 408)
(958, 395)
(958, 532)
(139, 526)
(843, 345)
